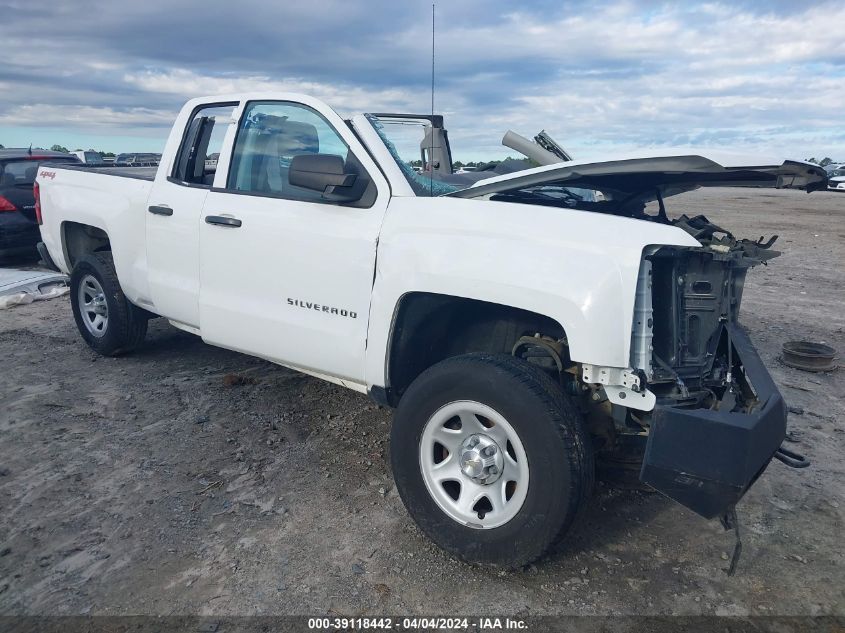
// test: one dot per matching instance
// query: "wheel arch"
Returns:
(79, 239)
(427, 328)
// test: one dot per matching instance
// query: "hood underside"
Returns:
(646, 178)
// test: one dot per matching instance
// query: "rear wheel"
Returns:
(108, 322)
(490, 458)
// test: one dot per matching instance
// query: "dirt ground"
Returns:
(150, 484)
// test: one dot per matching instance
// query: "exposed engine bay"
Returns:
(687, 300)
(689, 350)
(695, 293)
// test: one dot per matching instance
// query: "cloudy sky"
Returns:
(751, 76)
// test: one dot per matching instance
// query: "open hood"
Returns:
(643, 177)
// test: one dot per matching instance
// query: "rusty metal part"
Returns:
(551, 347)
(809, 356)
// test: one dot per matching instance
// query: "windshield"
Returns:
(402, 138)
(420, 146)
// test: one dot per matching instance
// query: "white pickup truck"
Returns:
(526, 326)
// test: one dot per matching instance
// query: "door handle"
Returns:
(160, 209)
(222, 220)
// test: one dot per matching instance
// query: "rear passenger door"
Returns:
(174, 211)
(286, 272)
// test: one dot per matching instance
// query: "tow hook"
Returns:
(730, 521)
(791, 459)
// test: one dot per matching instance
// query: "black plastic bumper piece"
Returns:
(706, 460)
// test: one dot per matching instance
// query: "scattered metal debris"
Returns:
(809, 356)
(731, 522)
(22, 286)
(215, 484)
(791, 458)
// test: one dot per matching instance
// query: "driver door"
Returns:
(286, 273)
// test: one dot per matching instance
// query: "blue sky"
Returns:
(763, 77)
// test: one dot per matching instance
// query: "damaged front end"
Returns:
(696, 413)
(718, 418)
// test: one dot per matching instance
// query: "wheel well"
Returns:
(82, 239)
(430, 327)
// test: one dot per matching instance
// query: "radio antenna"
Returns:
(431, 135)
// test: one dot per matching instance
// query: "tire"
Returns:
(515, 399)
(122, 326)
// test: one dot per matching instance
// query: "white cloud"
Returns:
(48, 115)
(708, 75)
(347, 98)
(595, 76)
(719, 35)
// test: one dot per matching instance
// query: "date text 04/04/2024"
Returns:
(418, 623)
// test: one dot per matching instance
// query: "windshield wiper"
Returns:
(551, 193)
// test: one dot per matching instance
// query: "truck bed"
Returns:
(141, 173)
(110, 201)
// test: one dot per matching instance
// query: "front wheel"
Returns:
(490, 458)
(107, 321)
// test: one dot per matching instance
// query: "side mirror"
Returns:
(323, 173)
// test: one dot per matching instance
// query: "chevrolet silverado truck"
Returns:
(525, 326)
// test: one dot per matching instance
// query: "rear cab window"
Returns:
(196, 162)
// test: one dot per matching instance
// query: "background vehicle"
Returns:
(89, 157)
(523, 326)
(144, 159)
(18, 223)
(836, 177)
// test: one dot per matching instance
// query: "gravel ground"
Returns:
(185, 479)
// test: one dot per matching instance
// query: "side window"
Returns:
(196, 162)
(272, 134)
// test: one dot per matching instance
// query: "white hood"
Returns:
(668, 173)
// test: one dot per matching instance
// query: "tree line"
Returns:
(62, 148)
(824, 162)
